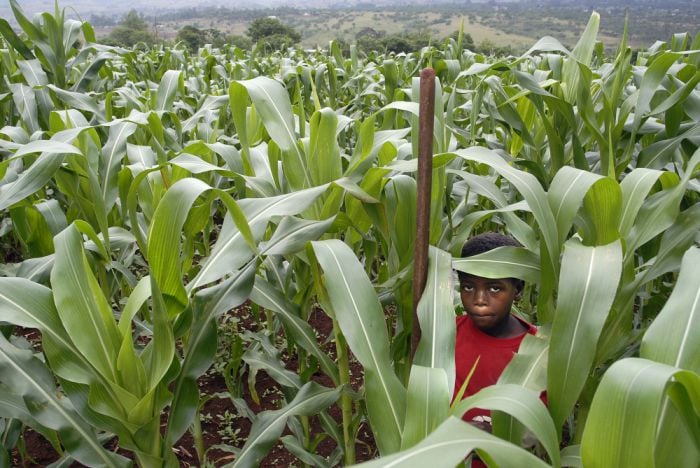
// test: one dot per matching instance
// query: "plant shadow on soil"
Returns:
(221, 422)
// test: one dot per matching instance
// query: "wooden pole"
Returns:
(426, 118)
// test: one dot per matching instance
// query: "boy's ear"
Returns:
(519, 286)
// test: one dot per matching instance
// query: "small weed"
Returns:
(227, 430)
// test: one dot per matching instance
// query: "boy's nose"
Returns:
(480, 297)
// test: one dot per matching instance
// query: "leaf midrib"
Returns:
(367, 339)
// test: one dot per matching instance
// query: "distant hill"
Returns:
(514, 24)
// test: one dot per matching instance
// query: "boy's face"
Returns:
(488, 301)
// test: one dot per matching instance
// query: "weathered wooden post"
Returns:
(426, 118)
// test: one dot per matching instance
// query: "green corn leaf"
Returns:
(524, 405)
(30, 305)
(360, 316)
(91, 72)
(547, 44)
(674, 336)
(678, 96)
(582, 53)
(502, 262)
(451, 442)
(566, 194)
(589, 279)
(506, 110)
(36, 269)
(427, 403)
(14, 407)
(355, 190)
(602, 206)
(130, 365)
(400, 206)
(485, 187)
(139, 296)
(158, 355)
(258, 360)
(25, 101)
(571, 456)
(29, 28)
(268, 425)
(54, 215)
(622, 426)
(113, 153)
(31, 379)
(528, 368)
(79, 101)
(37, 79)
(436, 317)
(32, 230)
(54, 146)
(14, 40)
(675, 242)
(324, 162)
(673, 339)
(168, 221)
(169, 85)
(196, 165)
(297, 449)
(84, 311)
(635, 187)
(293, 233)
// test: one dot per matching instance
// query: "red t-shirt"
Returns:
(494, 355)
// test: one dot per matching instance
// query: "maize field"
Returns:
(146, 194)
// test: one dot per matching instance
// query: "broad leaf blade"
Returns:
(521, 403)
(28, 377)
(360, 316)
(451, 442)
(437, 318)
(674, 336)
(427, 403)
(589, 279)
(84, 311)
(622, 426)
(502, 262)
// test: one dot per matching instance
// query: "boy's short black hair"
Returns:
(489, 241)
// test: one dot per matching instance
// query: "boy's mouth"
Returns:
(480, 314)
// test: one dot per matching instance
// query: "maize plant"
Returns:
(147, 193)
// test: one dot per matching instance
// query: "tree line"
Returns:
(271, 33)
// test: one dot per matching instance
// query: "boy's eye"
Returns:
(494, 289)
(468, 287)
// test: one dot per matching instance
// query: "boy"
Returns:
(487, 331)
